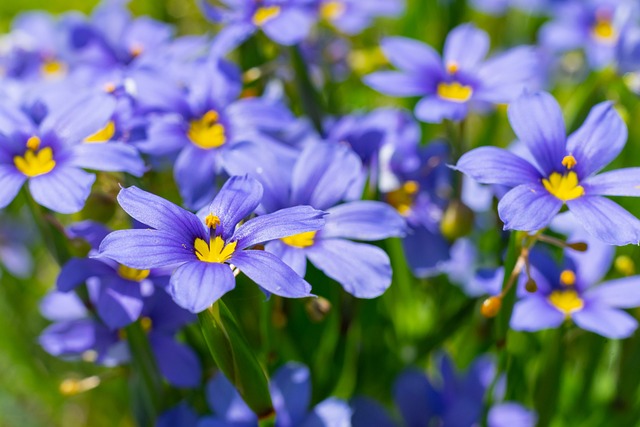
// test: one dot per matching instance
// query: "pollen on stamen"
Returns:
(452, 67)
(33, 143)
(212, 221)
(569, 161)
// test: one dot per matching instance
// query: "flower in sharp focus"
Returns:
(459, 81)
(202, 249)
(563, 171)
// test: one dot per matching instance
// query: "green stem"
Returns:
(146, 380)
(310, 97)
(52, 235)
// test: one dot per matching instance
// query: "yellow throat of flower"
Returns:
(302, 240)
(331, 10)
(132, 274)
(402, 198)
(265, 14)
(53, 68)
(207, 132)
(564, 187)
(566, 301)
(603, 30)
(455, 92)
(35, 161)
(103, 135)
(215, 251)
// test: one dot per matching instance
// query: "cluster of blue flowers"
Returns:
(218, 175)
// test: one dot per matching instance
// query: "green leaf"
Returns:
(236, 359)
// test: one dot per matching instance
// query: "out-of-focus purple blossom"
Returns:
(353, 16)
(461, 80)
(291, 394)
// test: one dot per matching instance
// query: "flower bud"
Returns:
(531, 285)
(457, 220)
(491, 306)
(318, 308)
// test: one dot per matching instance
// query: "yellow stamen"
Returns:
(567, 301)
(103, 135)
(33, 143)
(215, 251)
(452, 67)
(331, 10)
(132, 274)
(564, 187)
(302, 240)
(265, 14)
(207, 132)
(455, 92)
(35, 162)
(146, 323)
(136, 50)
(402, 198)
(212, 221)
(568, 278)
(569, 162)
(53, 68)
(625, 265)
(71, 386)
(604, 30)
(109, 87)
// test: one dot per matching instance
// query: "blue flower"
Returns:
(202, 248)
(323, 175)
(50, 155)
(563, 171)
(353, 16)
(291, 394)
(460, 81)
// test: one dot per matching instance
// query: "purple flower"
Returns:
(457, 401)
(208, 120)
(574, 291)
(201, 249)
(353, 16)
(563, 171)
(286, 22)
(77, 335)
(459, 81)
(50, 155)
(323, 175)
(592, 25)
(291, 393)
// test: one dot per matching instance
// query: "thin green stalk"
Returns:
(309, 96)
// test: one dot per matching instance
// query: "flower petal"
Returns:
(329, 412)
(237, 199)
(10, 183)
(146, 249)
(598, 141)
(196, 285)
(195, 174)
(466, 46)
(166, 134)
(411, 55)
(119, 302)
(537, 121)
(177, 362)
(509, 414)
(110, 157)
(156, 212)
(528, 207)
(619, 293)
(293, 257)
(534, 313)
(363, 220)
(291, 393)
(269, 272)
(398, 83)
(416, 398)
(608, 322)
(620, 182)
(77, 270)
(492, 165)
(433, 109)
(290, 27)
(606, 220)
(226, 402)
(64, 189)
(367, 412)
(282, 223)
(363, 270)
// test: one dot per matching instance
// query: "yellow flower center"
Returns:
(302, 240)
(53, 68)
(265, 14)
(402, 198)
(132, 274)
(146, 323)
(569, 162)
(567, 301)
(564, 187)
(568, 278)
(455, 92)
(604, 30)
(207, 132)
(35, 161)
(103, 135)
(215, 251)
(331, 10)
